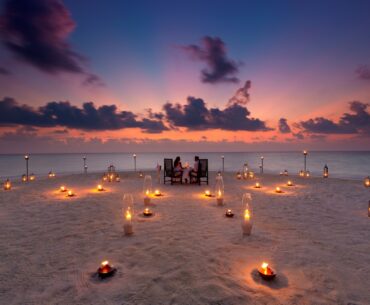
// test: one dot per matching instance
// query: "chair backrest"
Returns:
(168, 167)
(203, 167)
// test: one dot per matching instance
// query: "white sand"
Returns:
(315, 235)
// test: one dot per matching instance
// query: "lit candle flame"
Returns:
(100, 187)
(278, 190)
(128, 215)
(104, 263)
(257, 184)
(264, 267)
(247, 214)
(70, 193)
(207, 192)
(157, 192)
(62, 188)
(219, 193)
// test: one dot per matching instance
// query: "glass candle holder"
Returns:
(147, 189)
(219, 190)
(247, 219)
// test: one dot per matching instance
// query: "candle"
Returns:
(289, 183)
(247, 223)
(118, 179)
(127, 225)
(157, 193)
(7, 185)
(238, 175)
(147, 212)
(106, 270)
(70, 193)
(257, 185)
(229, 213)
(266, 272)
(207, 193)
(278, 190)
(100, 188)
(63, 189)
(147, 189)
(219, 190)
(367, 182)
(251, 175)
(24, 178)
(32, 177)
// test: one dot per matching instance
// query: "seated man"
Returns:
(194, 170)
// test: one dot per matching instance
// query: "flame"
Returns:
(278, 190)
(247, 214)
(219, 193)
(264, 267)
(104, 263)
(147, 192)
(207, 192)
(157, 192)
(289, 182)
(257, 184)
(146, 210)
(62, 188)
(70, 193)
(128, 215)
(100, 187)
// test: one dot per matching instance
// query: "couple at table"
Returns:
(186, 171)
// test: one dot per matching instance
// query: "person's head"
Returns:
(177, 160)
(196, 158)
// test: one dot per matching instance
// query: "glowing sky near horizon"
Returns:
(300, 56)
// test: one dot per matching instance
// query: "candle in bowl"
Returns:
(32, 177)
(238, 175)
(147, 212)
(266, 272)
(207, 193)
(118, 179)
(229, 213)
(278, 190)
(24, 178)
(127, 224)
(63, 189)
(106, 270)
(70, 193)
(100, 188)
(290, 183)
(257, 185)
(157, 193)
(7, 185)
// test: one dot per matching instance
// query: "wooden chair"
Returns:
(169, 174)
(202, 174)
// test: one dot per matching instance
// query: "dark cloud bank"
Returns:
(36, 32)
(212, 52)
(194, 115)
(88, 117)
(357, 122)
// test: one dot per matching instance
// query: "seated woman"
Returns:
(177, 167)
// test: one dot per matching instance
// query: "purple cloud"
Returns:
(213, 53)
(195, 115)
(284, 126)
(241, 96)
(36, 32)
(363, 72)
(63, 114)
(357, 122)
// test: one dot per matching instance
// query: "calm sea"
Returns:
(354, 165)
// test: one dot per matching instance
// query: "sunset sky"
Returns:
(115, 75)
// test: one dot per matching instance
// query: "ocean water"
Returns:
(354, 165)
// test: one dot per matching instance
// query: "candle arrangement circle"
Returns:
(229, 213)
(147, 212)
(106, 270)
(266, 272)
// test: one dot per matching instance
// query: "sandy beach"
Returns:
(316, 235)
